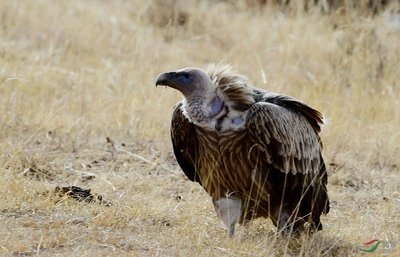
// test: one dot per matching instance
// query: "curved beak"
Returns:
(167, 79)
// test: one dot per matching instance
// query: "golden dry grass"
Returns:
(73, 73)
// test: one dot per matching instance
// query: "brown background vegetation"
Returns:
(78, 106)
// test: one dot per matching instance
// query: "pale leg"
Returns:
(229, 210)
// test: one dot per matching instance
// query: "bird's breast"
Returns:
(223, 163)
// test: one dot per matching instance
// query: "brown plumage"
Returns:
(256, 153)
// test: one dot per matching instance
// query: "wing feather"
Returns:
(286, 131)
(183, 135)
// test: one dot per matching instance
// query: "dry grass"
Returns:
(73, 73)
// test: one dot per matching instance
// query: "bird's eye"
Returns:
(186, 75)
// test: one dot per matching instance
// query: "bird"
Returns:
(256, 153)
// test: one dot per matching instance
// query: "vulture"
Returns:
(256, 153)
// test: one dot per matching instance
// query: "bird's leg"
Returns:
(229, 210)
(286, 222)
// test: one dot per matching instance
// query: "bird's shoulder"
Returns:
(279, 105)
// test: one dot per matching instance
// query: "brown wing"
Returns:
(183, 135)
(286, 131)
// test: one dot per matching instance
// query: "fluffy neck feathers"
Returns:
(231, 98)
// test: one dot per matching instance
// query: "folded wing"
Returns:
(183, 135)
(286, 131)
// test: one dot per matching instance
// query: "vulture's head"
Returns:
(202, 104)
(189, 81)
(217, 95)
